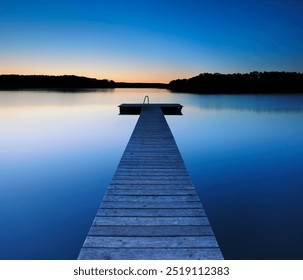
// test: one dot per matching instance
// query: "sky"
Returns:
(150, 41)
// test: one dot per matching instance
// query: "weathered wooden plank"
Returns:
(155, 176)
(143, 154)
(151, 221)
(153, 163)
(145, 145)
(158, 175)
(160, 138)
(143, 181)
(141, 148)
(165, 160)
(155, 171)
(151, 212)
(162, 168)
(167, 156)
(151, 242)
(148, 166)
(152, 153)
(157, 205)
(164, 230)
(149, 182)
(153, 138)
(172, 163)
(156, 155)
(151, 149)
(150, 198)
(151, 175)
(151, 187)
(150, 254)
(151, 192)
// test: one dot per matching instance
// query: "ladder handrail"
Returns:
(146, 97)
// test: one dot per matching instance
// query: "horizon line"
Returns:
(139, 82)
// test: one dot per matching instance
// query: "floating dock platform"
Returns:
(151, 210)
(135, 109)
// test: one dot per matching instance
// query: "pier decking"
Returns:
(151, 209)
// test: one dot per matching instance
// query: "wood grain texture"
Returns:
(151, 209)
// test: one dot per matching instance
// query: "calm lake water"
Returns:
(59, 151)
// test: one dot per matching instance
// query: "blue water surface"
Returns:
(59, 151)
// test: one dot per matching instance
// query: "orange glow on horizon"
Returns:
(119, 77)
(117, 71)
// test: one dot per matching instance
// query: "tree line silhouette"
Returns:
(66, 81)
(43, 81)
(253, 82)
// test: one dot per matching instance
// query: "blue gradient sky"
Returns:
(149, 41)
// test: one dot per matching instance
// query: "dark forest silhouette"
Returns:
(43, 81)
(66, 81)
(254, 82)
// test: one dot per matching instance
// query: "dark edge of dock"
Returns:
(135, 109)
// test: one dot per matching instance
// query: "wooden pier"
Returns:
(151, 209)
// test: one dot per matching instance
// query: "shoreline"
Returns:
(251, 83)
